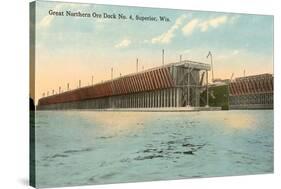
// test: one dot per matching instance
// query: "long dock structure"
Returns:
(171, 85)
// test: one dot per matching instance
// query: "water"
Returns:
(88, 147)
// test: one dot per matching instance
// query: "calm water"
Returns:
(87, 147)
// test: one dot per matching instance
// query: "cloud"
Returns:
(214, 22)
(124, 43)
(235, 52)
(205, 25)
(230, 54)
(48, 19)
(190, 26)
(167, 36)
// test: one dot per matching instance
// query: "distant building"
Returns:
(251, 92)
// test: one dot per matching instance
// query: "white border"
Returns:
(14, 93)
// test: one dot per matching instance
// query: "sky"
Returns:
(69, 49)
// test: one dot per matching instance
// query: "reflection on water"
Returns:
(115, 122)
(87, 147)
(238, 120)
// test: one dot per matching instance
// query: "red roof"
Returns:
(145, 81)
(252, 85)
